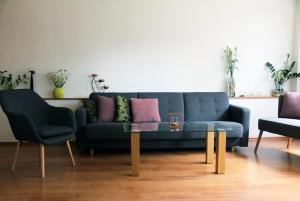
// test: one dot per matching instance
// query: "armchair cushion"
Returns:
(281, 126)
(49, 130)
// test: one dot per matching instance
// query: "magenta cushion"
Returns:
(106, 109)
(145, 110)
(291, 105)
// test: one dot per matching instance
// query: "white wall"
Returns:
(146, 45)
(297, 40)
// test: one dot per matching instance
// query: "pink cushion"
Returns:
(145, 110)
(106, 109)
(291, 105)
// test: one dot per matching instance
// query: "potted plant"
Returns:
(59, 79)
(9, 82)
(281, 76)
(230, 63)
(98, 85)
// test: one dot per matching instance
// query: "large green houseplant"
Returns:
(281, 76)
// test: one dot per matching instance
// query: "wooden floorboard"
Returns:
(274, 174)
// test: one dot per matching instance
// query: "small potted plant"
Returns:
(59, 79)
(9, 82)
(230, 63)
(98, 85)
(281, 76)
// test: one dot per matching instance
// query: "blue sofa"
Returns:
(195, 107)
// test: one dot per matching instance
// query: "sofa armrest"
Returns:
(81, 117)
(241, 115)
(82, 120)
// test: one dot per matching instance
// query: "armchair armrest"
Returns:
(241, 115)
(62, 116)
(23, 127)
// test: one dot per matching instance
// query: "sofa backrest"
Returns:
(194, 106)
(206, 106)
(93, 96)
(167, 102)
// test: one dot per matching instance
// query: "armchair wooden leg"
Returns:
(70, 153)
(16, 156)
(92, 152)
(258, 141)
(42, 160)
(289, 142)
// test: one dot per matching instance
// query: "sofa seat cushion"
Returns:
(114, 131)
(281, 126)
(50, 130)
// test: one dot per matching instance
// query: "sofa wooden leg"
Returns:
(16, 156)
(42, 160)
(70, 153)
(289, 142)
(258, 141)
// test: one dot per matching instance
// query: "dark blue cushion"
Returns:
(167, 102)
(206, 106)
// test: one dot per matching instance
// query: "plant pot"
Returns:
(279, 87)
(59, 92)
(231, 86)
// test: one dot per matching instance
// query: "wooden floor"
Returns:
(274, 174)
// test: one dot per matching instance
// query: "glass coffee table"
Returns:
(137, 129)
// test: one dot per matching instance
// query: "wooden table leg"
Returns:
(210, 147)
(221, 152)
(135, 154)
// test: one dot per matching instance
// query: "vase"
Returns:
(279, 87)
(231, 86)
(59, 92)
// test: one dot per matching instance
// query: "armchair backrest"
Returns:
(24, 101)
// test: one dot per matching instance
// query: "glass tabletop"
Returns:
(173, 127)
